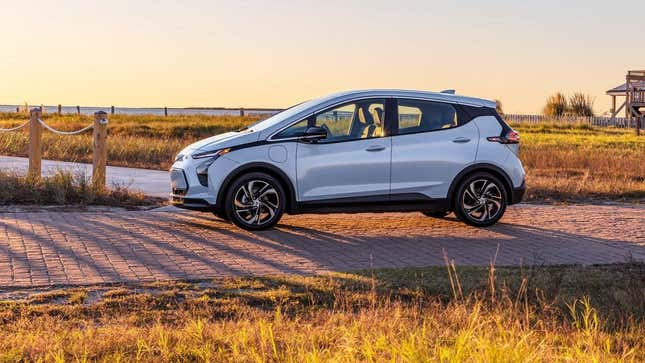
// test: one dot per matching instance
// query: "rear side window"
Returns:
(422, 116)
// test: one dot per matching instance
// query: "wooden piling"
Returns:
(35, 143)
(99, 158)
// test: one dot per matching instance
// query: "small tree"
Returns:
(556, 105)
(581, 104)
(498, 107)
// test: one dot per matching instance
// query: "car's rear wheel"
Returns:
(255, 201)
(480, 200)
(437, 214)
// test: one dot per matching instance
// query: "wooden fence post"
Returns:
(111, 110)
(78, 110)
(242, 111)
(99, 158)
(60, 110)
(35, 143)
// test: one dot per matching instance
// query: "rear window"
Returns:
(422, 116)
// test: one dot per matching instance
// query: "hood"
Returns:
(221, 141)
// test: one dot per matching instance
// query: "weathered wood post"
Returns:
(241, 111)
(99, 159)
(35, 143)
(78, 110)
(111, 110)
(60, 110)
(165, 111)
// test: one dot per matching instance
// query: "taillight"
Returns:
(511, 137)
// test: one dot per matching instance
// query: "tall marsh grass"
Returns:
(408, 315)
(64, 188)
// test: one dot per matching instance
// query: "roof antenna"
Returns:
(448, 91)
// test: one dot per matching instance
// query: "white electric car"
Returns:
(358, 151)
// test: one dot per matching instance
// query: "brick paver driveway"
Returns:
(48, 248)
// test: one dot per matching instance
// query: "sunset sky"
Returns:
(277, 53)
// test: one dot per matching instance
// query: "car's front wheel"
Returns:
(480, 200)
(255, 201)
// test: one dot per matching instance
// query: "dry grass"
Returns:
(64, 188)
(409, 315)
(582, 162)
(564, 162)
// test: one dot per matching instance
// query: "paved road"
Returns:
(155, 183)
(39, 249)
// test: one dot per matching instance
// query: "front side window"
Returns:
(354, 121)
(296, 130)
(422, 116)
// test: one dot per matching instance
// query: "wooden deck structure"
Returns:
(634, 92)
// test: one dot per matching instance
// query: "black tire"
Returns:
(221, 213)
(437, 214)
(480, 200)
(255, 201)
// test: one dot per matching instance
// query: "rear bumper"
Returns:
(518, 193)
(191, 203)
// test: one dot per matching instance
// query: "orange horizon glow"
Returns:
(255, 54)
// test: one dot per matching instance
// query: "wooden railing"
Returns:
(620, 122)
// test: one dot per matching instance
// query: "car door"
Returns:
(353, 161)
(430, 147)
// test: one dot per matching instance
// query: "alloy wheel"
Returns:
(256, 202)
(482, 200)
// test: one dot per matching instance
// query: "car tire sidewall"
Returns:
(230, 195)
(459, 209)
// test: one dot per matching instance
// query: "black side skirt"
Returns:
(410, 202)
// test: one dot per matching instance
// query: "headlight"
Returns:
(211, 154)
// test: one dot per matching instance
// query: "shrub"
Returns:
(556, 105)
(581, 104)
(499, 107)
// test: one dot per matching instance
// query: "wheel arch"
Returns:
(482, 167)
(266, 168)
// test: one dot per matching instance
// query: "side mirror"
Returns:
(314, 134)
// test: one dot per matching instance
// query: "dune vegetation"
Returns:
(454, 314)
(563, 162)
(65, 188)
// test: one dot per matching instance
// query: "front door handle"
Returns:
(460, 140)
(375, 148)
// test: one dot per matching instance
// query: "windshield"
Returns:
(281, 116)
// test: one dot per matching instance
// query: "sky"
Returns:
(278, 53)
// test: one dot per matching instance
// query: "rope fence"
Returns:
(15, 128)
(36, 125)
(65, 132)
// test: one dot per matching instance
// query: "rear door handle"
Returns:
(375, 148)
(460, 140)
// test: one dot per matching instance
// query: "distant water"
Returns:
(159, 111)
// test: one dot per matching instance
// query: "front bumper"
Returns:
(518, 193)
(191, 203)
(180, 197)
